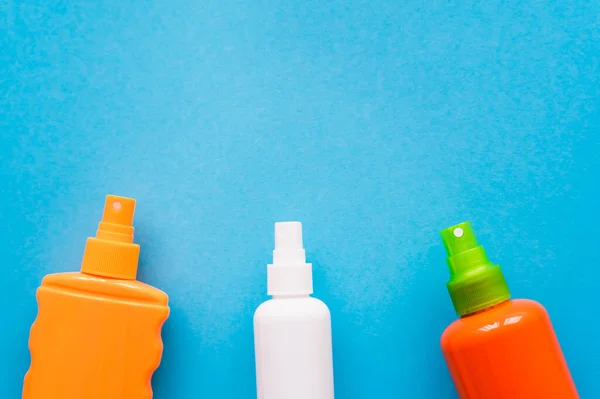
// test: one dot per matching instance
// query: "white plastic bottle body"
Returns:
(293, 349)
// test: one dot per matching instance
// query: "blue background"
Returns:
(374, 123)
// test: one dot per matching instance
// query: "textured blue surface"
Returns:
(374, 123)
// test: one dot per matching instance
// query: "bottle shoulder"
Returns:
(290, 307)
(518, 313)
(131, 290)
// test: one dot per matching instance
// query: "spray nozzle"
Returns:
(289, 275)
(289, 249)
(112, 252)
(117, 220)
(118, 210)
(475, 282)
(464, 252)
(459, 238)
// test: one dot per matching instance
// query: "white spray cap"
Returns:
(288, 244)
(289, 274)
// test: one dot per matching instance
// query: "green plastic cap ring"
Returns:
(475, 283)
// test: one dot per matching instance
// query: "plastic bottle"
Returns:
(292, 331)
(97, 333)
(499, 348)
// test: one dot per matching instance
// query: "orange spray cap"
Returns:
(112, 252)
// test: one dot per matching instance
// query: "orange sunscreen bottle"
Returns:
(97, 333)
(499, 348)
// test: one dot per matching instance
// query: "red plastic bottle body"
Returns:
(505, 352)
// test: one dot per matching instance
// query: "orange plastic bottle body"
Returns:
(508, 351)
(95, 338)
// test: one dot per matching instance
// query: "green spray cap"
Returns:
(475, 282)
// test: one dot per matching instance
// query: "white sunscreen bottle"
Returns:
(292, 331)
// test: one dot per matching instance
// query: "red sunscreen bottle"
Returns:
(499, 348)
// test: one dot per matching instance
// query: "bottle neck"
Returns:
(486, 309)
(300, 296)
